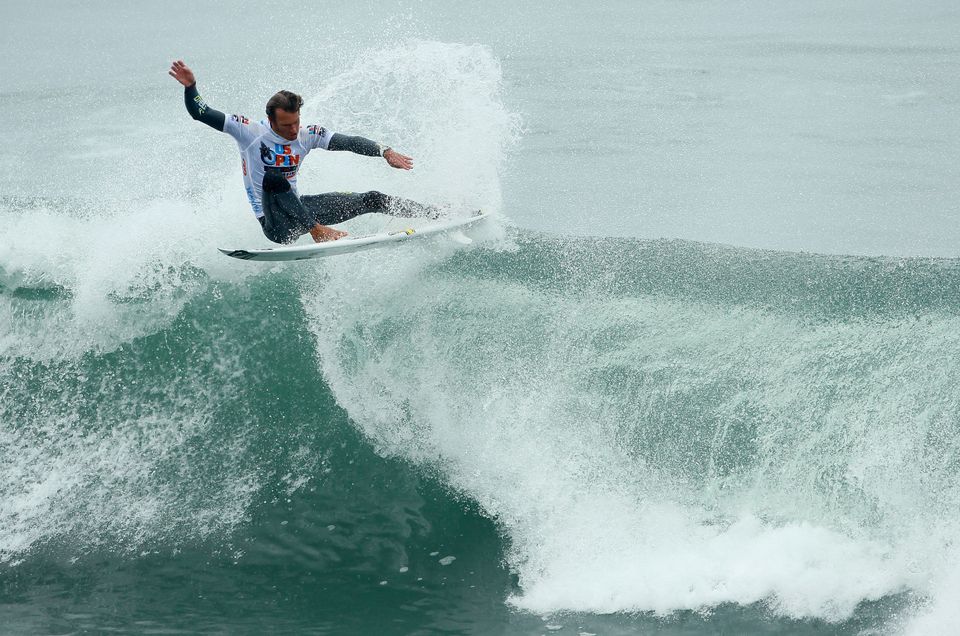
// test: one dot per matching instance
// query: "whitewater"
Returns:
(698, 374)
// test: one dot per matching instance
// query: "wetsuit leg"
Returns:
(285, 218)
(336, 207)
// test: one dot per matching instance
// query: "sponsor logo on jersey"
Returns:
(254, 201)
(240, 119)
(319, 131)
(279, 156)
(201, 105)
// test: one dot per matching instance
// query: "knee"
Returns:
(376, 200)
(283, 236)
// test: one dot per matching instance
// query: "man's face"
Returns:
(286, 124)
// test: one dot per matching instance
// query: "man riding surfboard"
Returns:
(272, 150)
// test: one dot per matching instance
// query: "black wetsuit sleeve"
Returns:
(359, 145)
(199, 110)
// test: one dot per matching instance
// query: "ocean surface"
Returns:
(699, 375)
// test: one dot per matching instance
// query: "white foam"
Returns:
(122, 272)
(938, 612)
(104, 482)
(528, 401)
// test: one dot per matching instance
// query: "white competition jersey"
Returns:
(261, 148)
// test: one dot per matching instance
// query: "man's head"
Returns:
(283, 111)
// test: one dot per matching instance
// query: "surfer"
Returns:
(272, 150)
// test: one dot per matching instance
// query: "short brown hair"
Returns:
(284, 100)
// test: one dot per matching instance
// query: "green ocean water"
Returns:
(204, 478)
(696, 376)
(321, 520)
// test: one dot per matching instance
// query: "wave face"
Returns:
(666, 425)
(653, 426)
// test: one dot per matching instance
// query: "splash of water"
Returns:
(656, 452)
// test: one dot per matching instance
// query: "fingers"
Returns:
(396, 160)
(181, 72)
(402, 162)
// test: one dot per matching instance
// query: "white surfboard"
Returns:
(450, 227)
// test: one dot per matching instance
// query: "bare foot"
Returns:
(322, 233)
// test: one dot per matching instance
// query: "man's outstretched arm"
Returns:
(195, 104)
(363, 146)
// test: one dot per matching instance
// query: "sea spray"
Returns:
(439, 103)
(141, 368)
(657, 451)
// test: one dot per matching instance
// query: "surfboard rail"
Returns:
(351, 244)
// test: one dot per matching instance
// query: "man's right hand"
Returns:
(182, 73)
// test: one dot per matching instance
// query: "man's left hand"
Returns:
(397, 160)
